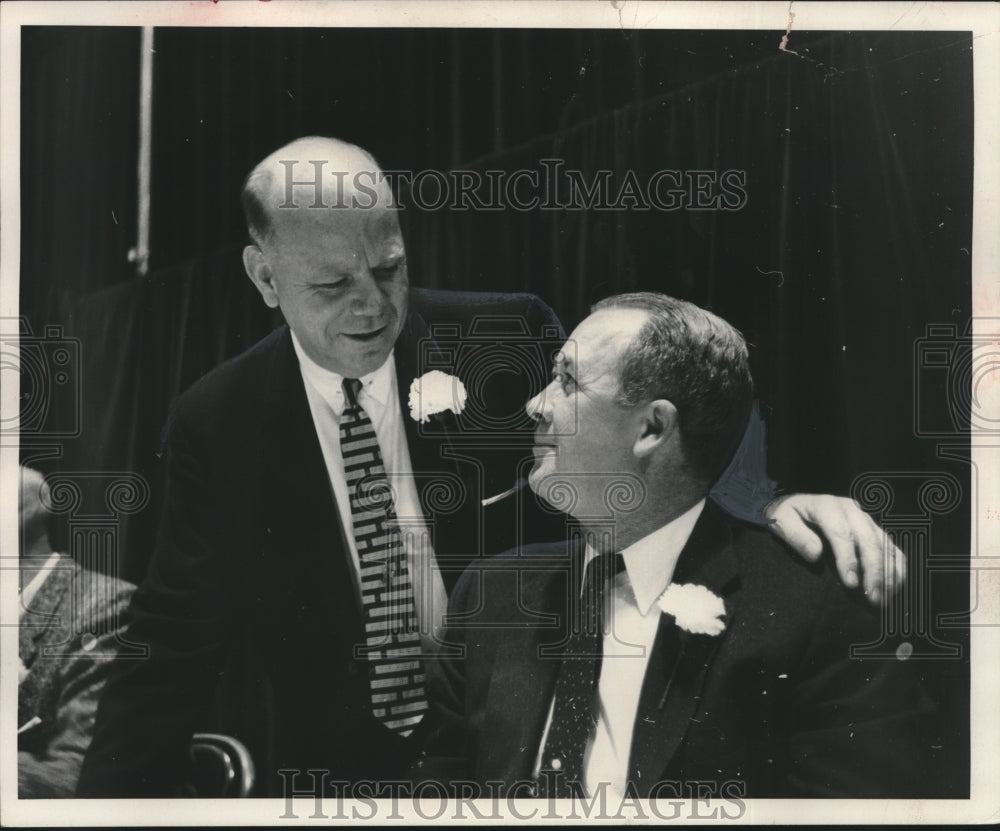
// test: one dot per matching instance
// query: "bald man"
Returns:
(257, 605)
(281, 604)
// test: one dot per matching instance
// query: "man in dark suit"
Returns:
(665, 646)
(268, 579)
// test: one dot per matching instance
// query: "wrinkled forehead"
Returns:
(338, 238)
(377, 225)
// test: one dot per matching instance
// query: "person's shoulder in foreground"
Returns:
(70, 632)
(236, 384)
(794, 702)
(776, 706)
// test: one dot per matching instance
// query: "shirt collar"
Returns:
(376, 386)
(650, 562)
(28, 592)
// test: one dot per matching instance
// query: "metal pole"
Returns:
(140, 254)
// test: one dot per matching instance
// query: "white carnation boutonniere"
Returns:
(695, 608)
(436, 392)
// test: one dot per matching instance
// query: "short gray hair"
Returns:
(257, 182)
(698, 362)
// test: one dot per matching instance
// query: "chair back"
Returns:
(221, 766)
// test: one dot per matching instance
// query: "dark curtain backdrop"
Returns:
(855, 235)
(79, 146)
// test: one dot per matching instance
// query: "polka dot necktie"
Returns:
(573, 715)
(392, 639)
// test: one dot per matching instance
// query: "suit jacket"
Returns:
(774, 704)
(249, 606)
(67, 640)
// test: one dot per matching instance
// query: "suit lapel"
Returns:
(305, 541)
(520, 694)
(415, 353)
(523, 679)
(680, 660)
(40, 623)
(305, 532)
(432, 457)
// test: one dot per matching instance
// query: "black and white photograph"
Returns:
(487, 413)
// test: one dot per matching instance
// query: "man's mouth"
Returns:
(366, 336)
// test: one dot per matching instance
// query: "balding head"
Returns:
(33, 511)
(313, 172)
(328, 252)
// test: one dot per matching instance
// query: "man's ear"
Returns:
(260, 273)
(657, 424)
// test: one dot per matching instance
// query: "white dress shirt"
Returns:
(28, 592)
(379, 396)
(27, 596)
(628, 643)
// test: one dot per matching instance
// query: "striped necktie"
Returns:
(573, 720)
(392, 640)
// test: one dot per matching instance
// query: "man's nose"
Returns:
(367, 300)
(538, 408)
